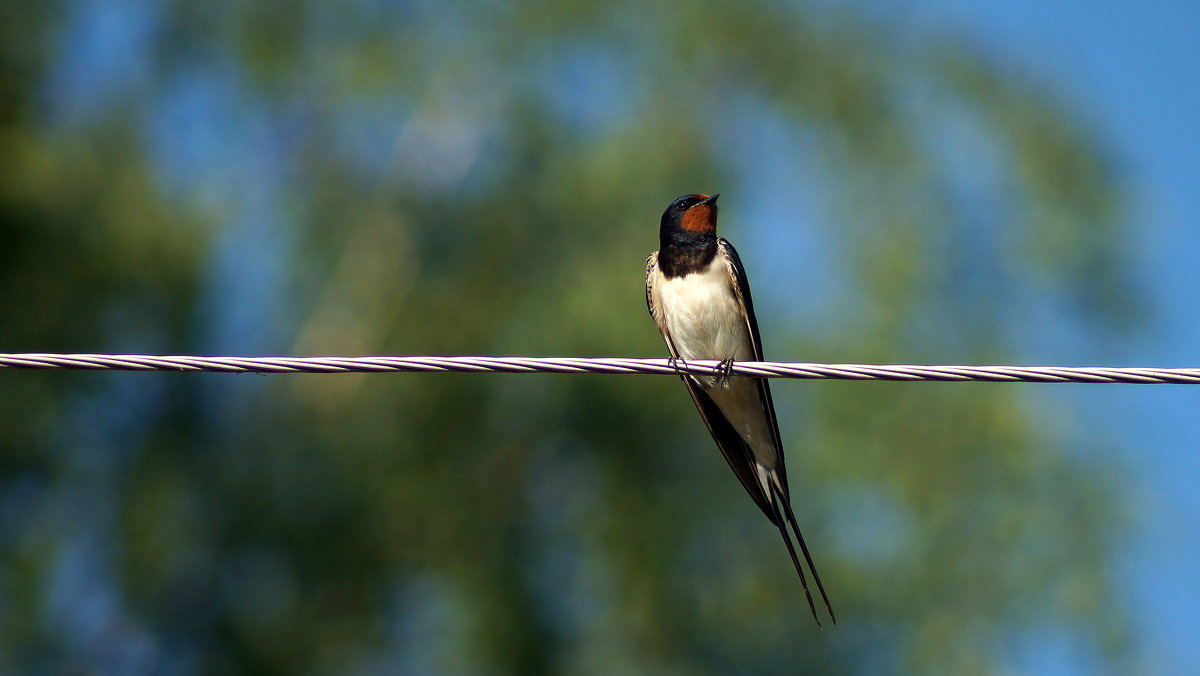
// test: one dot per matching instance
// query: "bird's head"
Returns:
(690, 218)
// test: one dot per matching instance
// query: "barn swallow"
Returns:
(699, 297)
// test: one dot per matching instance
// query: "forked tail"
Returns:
(783, 509)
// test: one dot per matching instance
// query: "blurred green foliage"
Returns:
(486, 178)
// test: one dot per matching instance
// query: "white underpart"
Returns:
(704, 320)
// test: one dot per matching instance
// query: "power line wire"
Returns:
(765, 369)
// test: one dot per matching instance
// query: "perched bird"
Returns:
(698, 295)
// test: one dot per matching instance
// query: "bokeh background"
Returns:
(937, 182)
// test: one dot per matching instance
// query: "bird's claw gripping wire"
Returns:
(724, 370)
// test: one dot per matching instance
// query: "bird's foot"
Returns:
(724, 370)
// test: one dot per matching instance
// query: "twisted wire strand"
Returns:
(763, 369)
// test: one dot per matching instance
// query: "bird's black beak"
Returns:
(711, 199)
